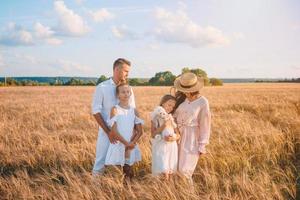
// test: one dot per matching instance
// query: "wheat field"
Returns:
(48, 140)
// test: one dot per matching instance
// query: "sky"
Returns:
(226, 38)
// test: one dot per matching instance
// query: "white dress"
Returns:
(125, 119)
(164, 154)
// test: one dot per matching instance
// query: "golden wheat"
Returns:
(48, 138)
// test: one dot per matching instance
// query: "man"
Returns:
(103, 101)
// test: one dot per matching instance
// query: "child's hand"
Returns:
(166, 124)
(130, 146)
(169, 138)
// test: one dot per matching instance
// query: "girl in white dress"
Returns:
(123, 119)
(164, 145)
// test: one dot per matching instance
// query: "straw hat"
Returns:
(188, 82)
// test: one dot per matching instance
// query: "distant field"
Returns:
(48, 138)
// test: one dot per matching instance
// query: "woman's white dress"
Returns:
(125, 120)
(164, 154)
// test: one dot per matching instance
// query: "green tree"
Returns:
(216, 82)
(74, 81)
(101, 79)
(199, 72)
(11, 81)
(134, 82)
(185, 69)
(90, 83)
(57, 82)
(162, 78)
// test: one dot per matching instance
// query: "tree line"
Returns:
(165, 78)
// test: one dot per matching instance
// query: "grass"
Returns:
(48, 138)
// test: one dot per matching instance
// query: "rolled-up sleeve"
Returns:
(97, 103)
(204, 119)
(131, 99)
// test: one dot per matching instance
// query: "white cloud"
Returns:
(117, 32)
(79, 1)
(177, 27)
(15, 35)
(45, 34)
(42, 31)
(23, 64)
(181, 5)
(53, 41)
(123, 32)
(70, 23)
(25, 58)
(101, 15)
(130, 9)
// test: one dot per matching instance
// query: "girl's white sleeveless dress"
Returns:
(164, 154)
(125, 119)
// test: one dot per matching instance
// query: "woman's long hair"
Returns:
(180, 97)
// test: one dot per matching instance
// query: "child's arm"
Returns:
(138, 127)
(171, 138)
(135, 130)
(118, 135)
(138, 133)
(158, 130)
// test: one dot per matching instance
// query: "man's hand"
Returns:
(112, 137)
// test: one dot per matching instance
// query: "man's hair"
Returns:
(121, 61)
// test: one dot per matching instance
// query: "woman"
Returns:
(194, 121)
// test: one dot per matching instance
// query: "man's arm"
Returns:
(97, 106)
(101, 122)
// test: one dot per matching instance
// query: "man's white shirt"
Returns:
(105, 98)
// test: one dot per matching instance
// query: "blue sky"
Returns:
(228, 39)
